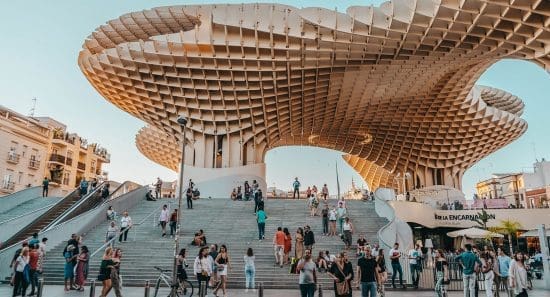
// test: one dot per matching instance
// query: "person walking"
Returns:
(83, 187)
(249, 270)
(163, 219)
(367, 274)
(341, 272)
(309, 238)
(111, 232)
(202, 268)
(342, 214)
(20, 284)
(395, 254)
(189, 197)
(296, 188)
(487, 269)
(496, 273)
(45, 186)
(213, 254)
(504, 268)
(34, 256)
(308, 275)
(348, 231)
(68, 272)
(518, 276)
(332, 216)
(82, 268)
(288, 245)
(115, 273)
(324, 192)
(324, 217)
(468, 261)
(414, 256)
(279, 246)
(260, 219)
(105, 271)
(173, 222)
(125, 225)
(441, 268)
(223, 262)
(382, 274)
(158, 188)
(299, 243)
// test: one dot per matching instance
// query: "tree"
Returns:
(508, 228)
(482, 219)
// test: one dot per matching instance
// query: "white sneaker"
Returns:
(246, 291)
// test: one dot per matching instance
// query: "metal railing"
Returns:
(57, 158)
(8, 185)
(13, 158)
(81, 166)
(34, 164)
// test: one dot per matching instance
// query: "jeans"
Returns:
(189, 202)
(44, 191)
(469, 282)
(368, 287)
(19, 284)
(250, 274)
(307, 290)
(202, 279)
(123, 234)
(296, 192)
(173, 227)
(396, 268)
(489, 278)
(325, 225)
(34, 281)
(261, 230)
(340, 227)
(415, 274)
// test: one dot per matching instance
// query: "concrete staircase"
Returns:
(27, 207)
(224, 222)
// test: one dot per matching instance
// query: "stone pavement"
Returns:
(57, 291)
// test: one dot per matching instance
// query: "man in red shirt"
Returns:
(278, 246)
(33, 263)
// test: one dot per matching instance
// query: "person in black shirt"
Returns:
(366, 272)
(361, 243)
(189, 196)
(342, 271)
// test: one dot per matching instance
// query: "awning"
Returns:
(534, 233)
(474, 233)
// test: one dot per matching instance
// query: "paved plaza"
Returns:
(56, 291)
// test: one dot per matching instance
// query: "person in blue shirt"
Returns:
(503, 268)
(296, 188)
(468, 261)
(260, 216)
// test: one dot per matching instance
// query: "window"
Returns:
(92, 166)
(20, 177)
(24, 152)
(30, 179)
(66, 177)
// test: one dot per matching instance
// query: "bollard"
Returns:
(40, 287)
(147, 288)
(202, 289)
(320, 294)
(261, 290)
(92, 289)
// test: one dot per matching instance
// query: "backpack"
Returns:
(27, 273)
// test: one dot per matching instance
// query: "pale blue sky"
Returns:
(38, 52)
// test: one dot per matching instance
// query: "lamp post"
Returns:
(182, 121)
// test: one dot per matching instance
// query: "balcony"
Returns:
(7, 186)
(34, 164)
(55, 158)
(13, 158)
(69, 161)
(81, 166)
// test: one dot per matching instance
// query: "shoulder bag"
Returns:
(342, 288)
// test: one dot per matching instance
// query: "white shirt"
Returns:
(393, 251)
(42, 248)
(21, 262)
(346, 226)
(203, 264)
(164, 215)
(332, 215)
(249, 261)
(125, 222)
(374, 252)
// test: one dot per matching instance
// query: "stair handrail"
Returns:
(62, 200)
(121, 190)
(74, 206)
(132, 227)
(27, 213)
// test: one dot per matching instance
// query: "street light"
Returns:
(182, 121)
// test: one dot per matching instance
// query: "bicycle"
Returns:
(184, 288)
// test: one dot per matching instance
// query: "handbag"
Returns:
(342, 288)
(523, 293)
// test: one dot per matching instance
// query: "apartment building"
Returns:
(38, 147)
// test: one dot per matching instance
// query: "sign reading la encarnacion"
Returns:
(461, 217)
